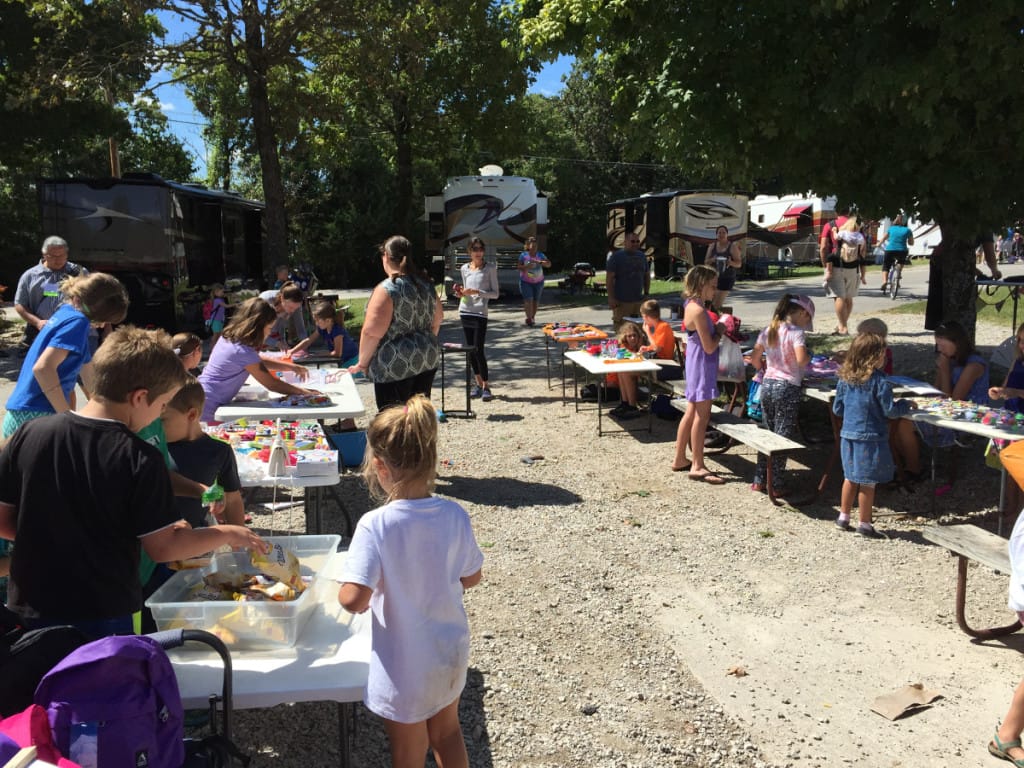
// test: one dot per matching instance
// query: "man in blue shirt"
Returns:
(628, 279)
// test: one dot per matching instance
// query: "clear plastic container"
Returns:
(255, 625)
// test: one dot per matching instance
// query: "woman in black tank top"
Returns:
(725, 258)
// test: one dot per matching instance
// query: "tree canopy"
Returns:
(909, 104)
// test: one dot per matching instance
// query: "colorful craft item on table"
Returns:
(304, 401)
(573, 332)
(821, 367)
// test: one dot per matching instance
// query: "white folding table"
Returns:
(329, 662)
(595, 366)
(345, 404)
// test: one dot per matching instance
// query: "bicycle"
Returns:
(893, 278)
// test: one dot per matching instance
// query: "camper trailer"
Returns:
(787, 228)
(166, 242)
(503, 211)
(675, 225)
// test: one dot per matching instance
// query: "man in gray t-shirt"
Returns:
(38, 294)
(628, 279)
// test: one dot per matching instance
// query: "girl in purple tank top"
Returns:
(702, 340)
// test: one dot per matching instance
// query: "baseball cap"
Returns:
(804, 302)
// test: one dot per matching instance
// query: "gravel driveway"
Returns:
(618, 596)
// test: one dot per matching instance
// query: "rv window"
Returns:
(760, 218)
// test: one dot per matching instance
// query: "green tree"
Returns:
(436, 79)
(907, 104)
(258, 48)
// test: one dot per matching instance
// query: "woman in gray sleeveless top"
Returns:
(398, 348)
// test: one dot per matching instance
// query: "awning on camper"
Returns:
(797, 209)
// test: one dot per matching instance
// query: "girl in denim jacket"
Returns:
(864, 402)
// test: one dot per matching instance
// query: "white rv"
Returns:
(788, 227)
(503, 211)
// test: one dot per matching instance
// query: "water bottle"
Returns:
(277, 461)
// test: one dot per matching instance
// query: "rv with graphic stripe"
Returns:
(503, 211)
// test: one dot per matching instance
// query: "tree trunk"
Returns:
(958, 294)
(403, 214)
(275, 247)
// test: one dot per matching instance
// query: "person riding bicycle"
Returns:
(896, 241)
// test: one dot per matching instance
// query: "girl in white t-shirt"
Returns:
(409, 563)
(784, 349)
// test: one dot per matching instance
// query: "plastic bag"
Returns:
(730, 361)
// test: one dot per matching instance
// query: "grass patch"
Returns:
(988, 313)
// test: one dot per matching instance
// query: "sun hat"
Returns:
(804, 302)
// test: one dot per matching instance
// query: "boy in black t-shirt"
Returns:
(200, 457)
(79, 493)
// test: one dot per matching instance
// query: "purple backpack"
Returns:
(116, 699)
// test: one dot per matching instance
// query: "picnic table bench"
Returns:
(969, 542)
(750, 434)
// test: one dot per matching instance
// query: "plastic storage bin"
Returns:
(263, 625)
(351, 446)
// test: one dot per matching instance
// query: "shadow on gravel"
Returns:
(505, 492)
(474, 721)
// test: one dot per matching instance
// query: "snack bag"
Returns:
(281, 564)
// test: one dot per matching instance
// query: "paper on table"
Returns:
(913, 385)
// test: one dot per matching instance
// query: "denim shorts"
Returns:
(867, 462)
(531, 291)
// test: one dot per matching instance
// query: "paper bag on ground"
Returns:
(907, 699)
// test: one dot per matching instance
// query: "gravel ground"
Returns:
(618, 596)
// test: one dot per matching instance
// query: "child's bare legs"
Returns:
(699, 428)
(1013, 723)
(680, 462)
(865, 503)
(864, 495)
(446, 738)
(905, 446)
(442, 733)
(627, 388)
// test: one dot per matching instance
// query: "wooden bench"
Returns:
(750, 434)
(969, 542)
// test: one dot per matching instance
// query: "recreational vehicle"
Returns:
(166, 242)
(503, 211)
(675, 226)
(787, 228)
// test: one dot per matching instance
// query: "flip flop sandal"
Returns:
(999, 749)
(709, 477)
(683, 468)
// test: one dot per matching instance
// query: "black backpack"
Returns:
(27, 655)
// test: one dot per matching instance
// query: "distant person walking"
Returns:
(896, 242)
(628, 279)
(845, 272)
(479, 286)
(725, 258)
(531, 277)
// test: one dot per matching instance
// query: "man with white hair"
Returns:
(38, 294)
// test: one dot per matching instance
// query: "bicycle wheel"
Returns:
(894, 282)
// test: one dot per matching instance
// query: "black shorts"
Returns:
(726, 280)
(891, 256)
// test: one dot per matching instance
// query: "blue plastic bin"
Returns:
(351, 446)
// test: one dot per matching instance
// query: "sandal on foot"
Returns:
(707, 477)
(683, 468)
(1001, 749)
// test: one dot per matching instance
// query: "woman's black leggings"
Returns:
(475, 329)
